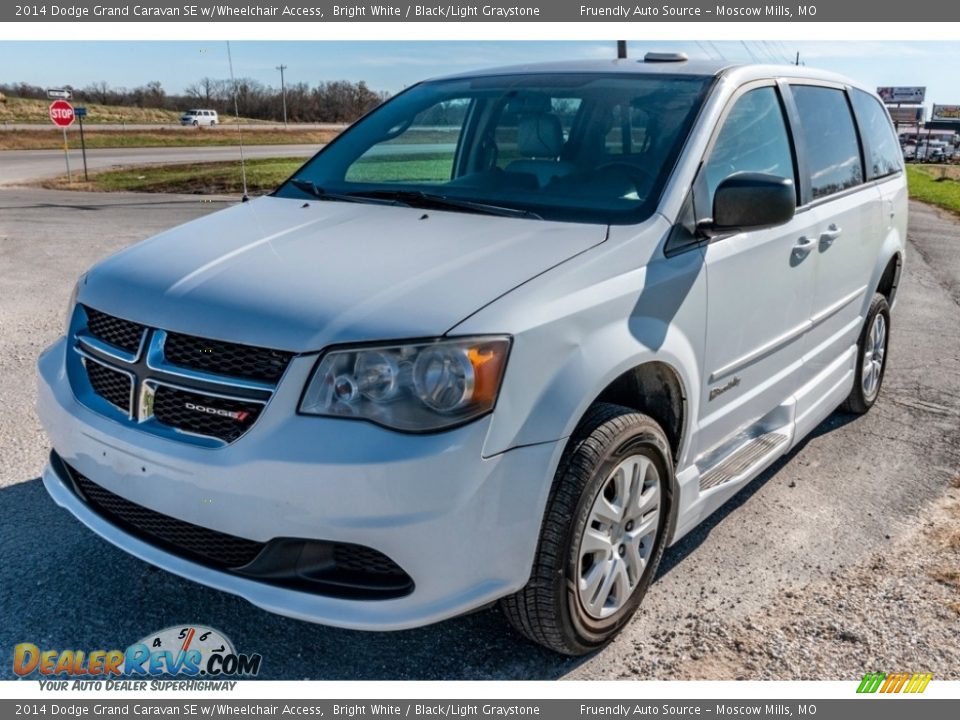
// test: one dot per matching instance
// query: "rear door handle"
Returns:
(828, 236)
(803, 247)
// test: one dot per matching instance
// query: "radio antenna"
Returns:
(236, 117)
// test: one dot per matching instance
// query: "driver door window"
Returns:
(754, 138)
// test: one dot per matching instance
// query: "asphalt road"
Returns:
(850, 493)
(23, 166)
(224, 126)
(20, 166)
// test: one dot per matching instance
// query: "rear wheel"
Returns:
(871, 358)
(603, 533)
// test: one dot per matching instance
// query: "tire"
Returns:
(196, 123)
(558, 608)
(864, 394)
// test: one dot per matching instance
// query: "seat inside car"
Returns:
(540, 143)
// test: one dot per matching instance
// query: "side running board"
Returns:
(744, 459)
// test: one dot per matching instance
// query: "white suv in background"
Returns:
(506, 338)
(199, 117)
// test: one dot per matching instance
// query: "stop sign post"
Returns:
(61, 115)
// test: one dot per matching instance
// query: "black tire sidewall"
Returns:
(860, 402)
(587, 632)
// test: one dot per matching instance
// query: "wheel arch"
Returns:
(890, 278)
(654, 388)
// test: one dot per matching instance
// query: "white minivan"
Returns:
(507, 338)
(199, 117)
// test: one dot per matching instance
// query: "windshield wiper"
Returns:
(418, 198)
(311, 188)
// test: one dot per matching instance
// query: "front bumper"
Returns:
(464, 527)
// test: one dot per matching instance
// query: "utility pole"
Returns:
(283, 93)
(798, 58)
(621, 49)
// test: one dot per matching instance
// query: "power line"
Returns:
(785, 50)
(283, 93)
(772, 52)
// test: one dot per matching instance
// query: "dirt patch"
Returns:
(897, 611)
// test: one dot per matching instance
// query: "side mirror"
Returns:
(750, 201)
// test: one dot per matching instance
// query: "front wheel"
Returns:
(871, 358)
(603, 534)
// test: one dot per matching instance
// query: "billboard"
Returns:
(893, 95)
(910, 115)
(946, 114)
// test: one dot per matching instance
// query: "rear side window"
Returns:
(754, 138)
(882, 147)
(831, 144)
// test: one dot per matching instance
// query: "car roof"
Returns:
(737, 72)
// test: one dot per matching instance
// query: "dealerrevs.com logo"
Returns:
(193, 651)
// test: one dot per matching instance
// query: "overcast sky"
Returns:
(392, 65)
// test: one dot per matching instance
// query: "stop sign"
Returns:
(61, 113)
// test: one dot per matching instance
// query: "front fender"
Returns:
(580, 326)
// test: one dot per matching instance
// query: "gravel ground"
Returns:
(898, 611)
(841, 558)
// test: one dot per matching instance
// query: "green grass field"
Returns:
(188, 137)
(193, 178)
(263, 175)
(935, 184)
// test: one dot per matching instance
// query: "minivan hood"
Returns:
(299, 276)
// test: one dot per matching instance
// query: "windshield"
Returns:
(576, 147)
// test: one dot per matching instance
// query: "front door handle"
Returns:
(802, 248)
(828, 236)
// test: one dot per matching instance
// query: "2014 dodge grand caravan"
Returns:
(508, 337)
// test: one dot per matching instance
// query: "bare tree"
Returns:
(98, 92)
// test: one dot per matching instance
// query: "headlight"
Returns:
(414, 388)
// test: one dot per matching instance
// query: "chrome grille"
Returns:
(207, 392)
(222, 358)
(112, 385)
(177, 408)
(115, 331)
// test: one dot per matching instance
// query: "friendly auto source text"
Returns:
(641, 11)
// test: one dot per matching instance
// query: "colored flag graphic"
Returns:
(894, 682)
